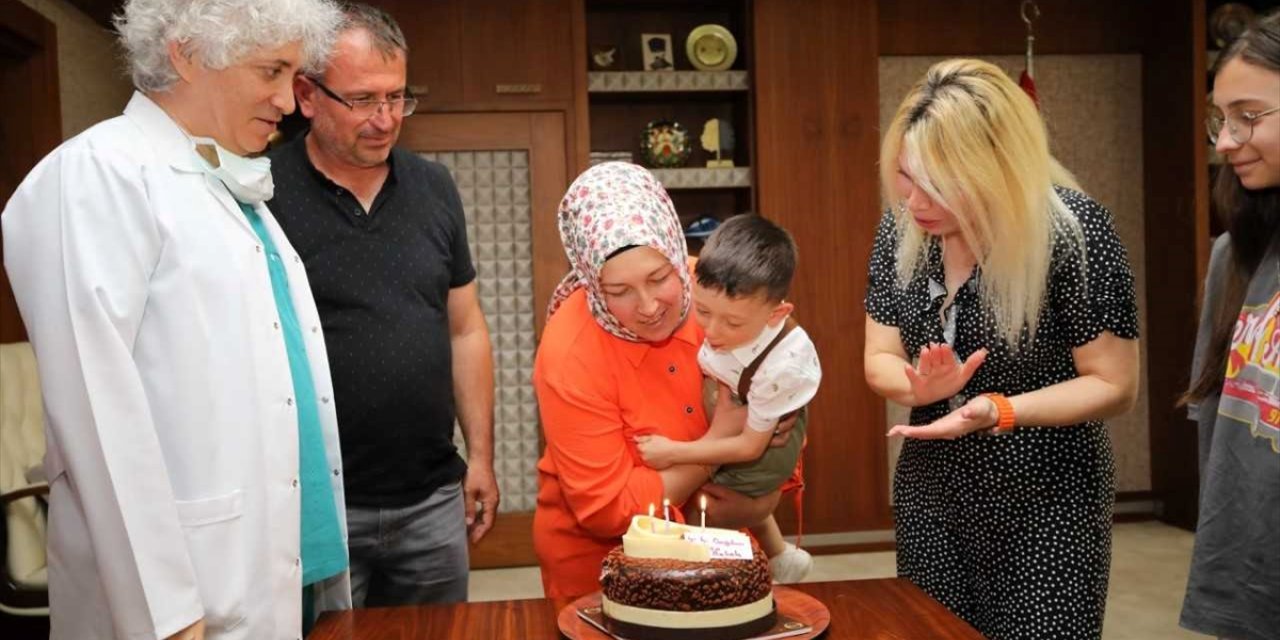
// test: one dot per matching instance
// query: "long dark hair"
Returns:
(1251, 217)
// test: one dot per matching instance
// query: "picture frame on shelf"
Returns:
(658, 55)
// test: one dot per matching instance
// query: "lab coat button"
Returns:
(275, 325)
(288, 401)
(295, 483)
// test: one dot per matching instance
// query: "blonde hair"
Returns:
(975, 143)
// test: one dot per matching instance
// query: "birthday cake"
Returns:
(670, 581)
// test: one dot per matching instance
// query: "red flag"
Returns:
(1029, 85)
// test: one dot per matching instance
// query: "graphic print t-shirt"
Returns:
(1234, 587)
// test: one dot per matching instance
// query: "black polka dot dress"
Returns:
(1012, 532)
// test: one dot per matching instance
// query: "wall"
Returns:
(92, 78)
(1092, 105)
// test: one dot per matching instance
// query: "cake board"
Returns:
(790, 602)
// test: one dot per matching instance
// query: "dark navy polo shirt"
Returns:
(381, 281)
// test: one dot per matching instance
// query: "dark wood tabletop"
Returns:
(884, 609)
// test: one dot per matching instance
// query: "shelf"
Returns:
(668, 81)
(703, 178)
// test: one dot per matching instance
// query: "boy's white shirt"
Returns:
(786, 381)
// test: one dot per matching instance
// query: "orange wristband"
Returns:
(1004, 413)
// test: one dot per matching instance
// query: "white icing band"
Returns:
(688, 619)
(649, 537)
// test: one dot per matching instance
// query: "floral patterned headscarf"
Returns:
(611, 206)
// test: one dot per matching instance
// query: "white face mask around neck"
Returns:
(248, 179)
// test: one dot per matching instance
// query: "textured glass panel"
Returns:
(494, 186)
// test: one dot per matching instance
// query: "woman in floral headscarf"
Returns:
(618, 359)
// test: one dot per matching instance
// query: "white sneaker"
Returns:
(790, 566)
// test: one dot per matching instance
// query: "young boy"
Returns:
(756, 353)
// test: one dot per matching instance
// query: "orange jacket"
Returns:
(595, 393)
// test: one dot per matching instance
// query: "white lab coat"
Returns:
(172, 435)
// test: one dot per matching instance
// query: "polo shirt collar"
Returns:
(395, 176)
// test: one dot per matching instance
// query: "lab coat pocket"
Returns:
(215, 540)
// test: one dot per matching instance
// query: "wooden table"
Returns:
(886, 608)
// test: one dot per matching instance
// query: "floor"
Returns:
(1148, 577)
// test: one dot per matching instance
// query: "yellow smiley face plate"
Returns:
(711, 47)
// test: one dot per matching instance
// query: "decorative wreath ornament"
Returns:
(665, 144)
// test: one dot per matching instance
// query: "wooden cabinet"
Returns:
(817, 176)
(623, 98)
(488, 55)
(519, 260)
(432, 31)
(516, 51)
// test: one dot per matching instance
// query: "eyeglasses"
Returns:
(402, 106)
(1239, 125)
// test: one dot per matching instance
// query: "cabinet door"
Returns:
(433, 31)
(511, 171)
(516, 52)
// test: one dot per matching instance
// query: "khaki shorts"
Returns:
(766, 474)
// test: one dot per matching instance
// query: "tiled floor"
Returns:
(1148, 577)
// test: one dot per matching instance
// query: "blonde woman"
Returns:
(1000, 308)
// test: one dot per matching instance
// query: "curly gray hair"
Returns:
(221, 33)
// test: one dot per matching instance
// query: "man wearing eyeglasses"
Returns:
(382, 234)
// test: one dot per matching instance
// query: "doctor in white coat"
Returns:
(180, 354)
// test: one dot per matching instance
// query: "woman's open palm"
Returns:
(938, 375)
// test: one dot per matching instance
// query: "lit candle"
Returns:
(651, 525)
(666, 512)
(702, 504)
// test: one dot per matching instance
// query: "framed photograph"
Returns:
(658, 55)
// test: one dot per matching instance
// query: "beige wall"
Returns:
(92, 82)
(1093, 108)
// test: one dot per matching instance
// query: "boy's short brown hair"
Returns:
(748, 254)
